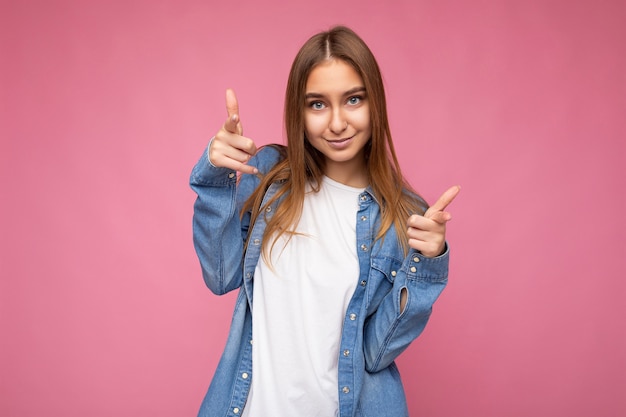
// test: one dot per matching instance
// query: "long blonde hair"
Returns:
(304, 164)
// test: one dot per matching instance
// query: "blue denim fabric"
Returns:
(375, 331)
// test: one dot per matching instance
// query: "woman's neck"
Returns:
(351, 174)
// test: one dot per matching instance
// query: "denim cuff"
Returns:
(420, 267)
(205, 173)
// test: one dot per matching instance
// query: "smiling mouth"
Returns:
(338, 140)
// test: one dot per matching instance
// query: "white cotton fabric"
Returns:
(298, 309)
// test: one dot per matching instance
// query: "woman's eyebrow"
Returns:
(313, 95)
(358, 89)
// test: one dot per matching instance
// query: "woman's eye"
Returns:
(354, 100)
(316, 105)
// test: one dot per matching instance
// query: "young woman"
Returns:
(337, 261)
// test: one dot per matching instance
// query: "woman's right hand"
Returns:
(229, 148)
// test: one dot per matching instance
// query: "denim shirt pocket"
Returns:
(383, 271)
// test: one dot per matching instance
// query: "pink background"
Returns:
(106, 106)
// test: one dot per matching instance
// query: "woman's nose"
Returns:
(337, 123)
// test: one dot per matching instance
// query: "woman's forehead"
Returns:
(333, 76)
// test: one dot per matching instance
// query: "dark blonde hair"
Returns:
(304, 164)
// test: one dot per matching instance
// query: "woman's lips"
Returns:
(339, 143)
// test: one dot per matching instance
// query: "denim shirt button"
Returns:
(244, 375)
(231, 175)
(416, 259)
(363, 197)
(249, 275)
(346, 352)
(256, 242)
(394, 273)
(236, 410)
(268, 209)
(364, 248)
(363, 218)
(352, 316)
(413, 269)
(345, 390)
(363, 283)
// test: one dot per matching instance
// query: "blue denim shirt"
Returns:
(375, 331)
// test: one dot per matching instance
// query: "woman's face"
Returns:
(337, 120)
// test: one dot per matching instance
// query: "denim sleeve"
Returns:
(219, 232)
(389, 331)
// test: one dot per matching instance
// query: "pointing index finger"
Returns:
(233, 123)
(232, 105)
(443, 202)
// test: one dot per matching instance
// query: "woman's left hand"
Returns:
(427, 233)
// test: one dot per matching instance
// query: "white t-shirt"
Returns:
(298, 309)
